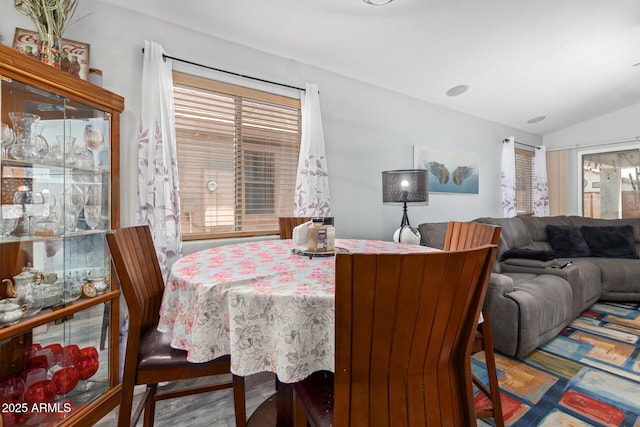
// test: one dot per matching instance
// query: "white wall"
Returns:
(595, 134)
(367, 129)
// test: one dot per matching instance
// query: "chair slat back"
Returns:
(288, 223)
(136, 264)
(404, 327)
(466, 235)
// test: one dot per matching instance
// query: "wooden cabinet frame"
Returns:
(19, 67)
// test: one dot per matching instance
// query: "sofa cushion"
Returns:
(610, 241)
(433, 234)
(620, 278)
(513, 231)
(544, 308)
(567, 241)
(513, 234)
(537, 226)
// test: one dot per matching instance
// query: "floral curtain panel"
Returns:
(508, 177)
(158, 199)
(540, 185)
(312, 181)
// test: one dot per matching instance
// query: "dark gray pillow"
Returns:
(529, 254)
(567, 241)
(610, 241)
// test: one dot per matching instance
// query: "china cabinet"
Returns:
(58, 196)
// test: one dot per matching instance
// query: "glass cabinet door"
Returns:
(65, 365)
(55, 189)
(55, 207)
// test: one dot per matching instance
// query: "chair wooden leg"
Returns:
(150, 405)
(490, 360)
(125, 408)
(239, 402)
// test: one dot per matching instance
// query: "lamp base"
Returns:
(407, 234)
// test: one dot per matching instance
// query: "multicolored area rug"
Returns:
(589, 375)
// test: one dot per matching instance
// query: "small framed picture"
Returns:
(74, 56)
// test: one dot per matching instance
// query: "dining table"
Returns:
(268, 306)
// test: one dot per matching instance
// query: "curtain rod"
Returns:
(186, 61)
(596, 144)
(522, 143)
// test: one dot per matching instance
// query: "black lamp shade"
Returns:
(405, 186)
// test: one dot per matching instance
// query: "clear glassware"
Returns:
(94, 193)
(47, 226)
(32, 204)
(66, 144)
(75, 200)
(56, 152)
(95, 139)
(72, 288)
(24, 124)
(9, 215)
(6, 138)
(93, 216)
(7, 225)
(40, 142)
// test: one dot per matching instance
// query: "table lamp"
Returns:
(403, 187)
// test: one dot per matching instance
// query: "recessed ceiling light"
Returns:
(377, 2)
(457, 90)
(536, 119)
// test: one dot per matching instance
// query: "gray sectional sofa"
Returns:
(536, 290)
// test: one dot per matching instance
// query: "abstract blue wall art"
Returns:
(449, 172)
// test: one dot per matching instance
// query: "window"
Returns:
(524, 182)
(611, 183)
(237, 157)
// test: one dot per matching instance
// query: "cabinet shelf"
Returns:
(55, 169)
(59, 193)
(49, 315)
(42, 238)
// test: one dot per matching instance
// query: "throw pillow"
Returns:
(529, 254)
(567, 241)
(610, 241)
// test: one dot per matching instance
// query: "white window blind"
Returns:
(524, 181)
(237, 157)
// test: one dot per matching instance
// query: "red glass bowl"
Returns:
(40, 392)
(89, 351)
(12, 390)
(66, 379)
(57, 351)
(70, 355)
(87, 366)
(37, 362)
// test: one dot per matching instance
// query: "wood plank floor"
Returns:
(203, 410)
(208, 409)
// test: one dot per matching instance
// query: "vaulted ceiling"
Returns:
(568, 60)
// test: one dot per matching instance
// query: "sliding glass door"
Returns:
(611, 183)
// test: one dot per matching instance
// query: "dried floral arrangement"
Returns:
(49, 16)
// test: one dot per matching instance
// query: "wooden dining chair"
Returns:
(288, 223)
(466, 235)
(404, 325)
(149, 358)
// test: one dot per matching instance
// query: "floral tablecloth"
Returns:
(269, 309)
